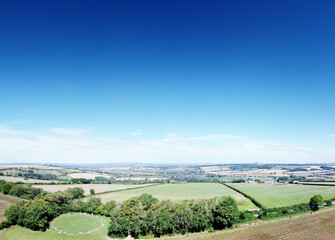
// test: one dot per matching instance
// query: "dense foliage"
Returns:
(145, 215)
(315, 201)
(21, 190)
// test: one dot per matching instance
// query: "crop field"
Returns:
(21, 179)
(320, 225)
(276, 195)
(98, 188)
(88, 175)
(177, 192)
(5, 202)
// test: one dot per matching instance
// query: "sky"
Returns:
(173, 81)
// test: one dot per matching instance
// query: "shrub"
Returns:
(315, 201)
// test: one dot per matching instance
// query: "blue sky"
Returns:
(167, 81)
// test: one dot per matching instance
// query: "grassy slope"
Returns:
(275, 195)
(77, 223)
(5, 202)
(319, 226)
(177, 192)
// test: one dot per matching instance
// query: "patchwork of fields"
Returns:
(178, 192)
(98, 188)
(277, 195)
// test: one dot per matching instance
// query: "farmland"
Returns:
(99, 188)
(320, 225)
(280, 195)
(21, 179)
(177, 192)
(6, 201)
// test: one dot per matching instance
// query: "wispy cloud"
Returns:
(138, 132)
(83, 146)
(69, 131)
(332, 135)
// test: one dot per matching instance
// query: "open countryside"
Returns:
(281, 195)
(179, 192)
(172, 120)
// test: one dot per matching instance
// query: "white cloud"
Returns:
(332, 135)
(61, 145)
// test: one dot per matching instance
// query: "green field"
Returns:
(276, 195)
(20, 233)
(178, 192)
(77, 223)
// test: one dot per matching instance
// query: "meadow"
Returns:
(19, 233)
(98, 188)
(178, 192)
(281, 195)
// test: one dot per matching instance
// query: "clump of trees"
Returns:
(238, 181)
(37, 213)
(145, 215)
(25, 191)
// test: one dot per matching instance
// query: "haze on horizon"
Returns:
(167, 81)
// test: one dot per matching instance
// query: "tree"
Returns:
(11, 214)
(329, 203)
(226, 213)
(285, 211)
(7, 187)
(109, 207)
(315, 201)
(75, 193)
(92, 191)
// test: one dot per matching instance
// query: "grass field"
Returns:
(20, 233)
(5, 202)
(99, 188)
(276, 195)
(177, 192)
(76, 224)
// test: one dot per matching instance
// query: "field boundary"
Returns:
(254, 201)
(317, 184)
(120, 190)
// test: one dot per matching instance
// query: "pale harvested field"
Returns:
(88, 175)
(318, 226)
(30, 166)
(20, 179)
(98, 188)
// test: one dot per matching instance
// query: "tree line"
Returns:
(145, 215)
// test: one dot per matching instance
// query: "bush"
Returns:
(315, 201)
(7, 187)
(329, 203)
(285, 211)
